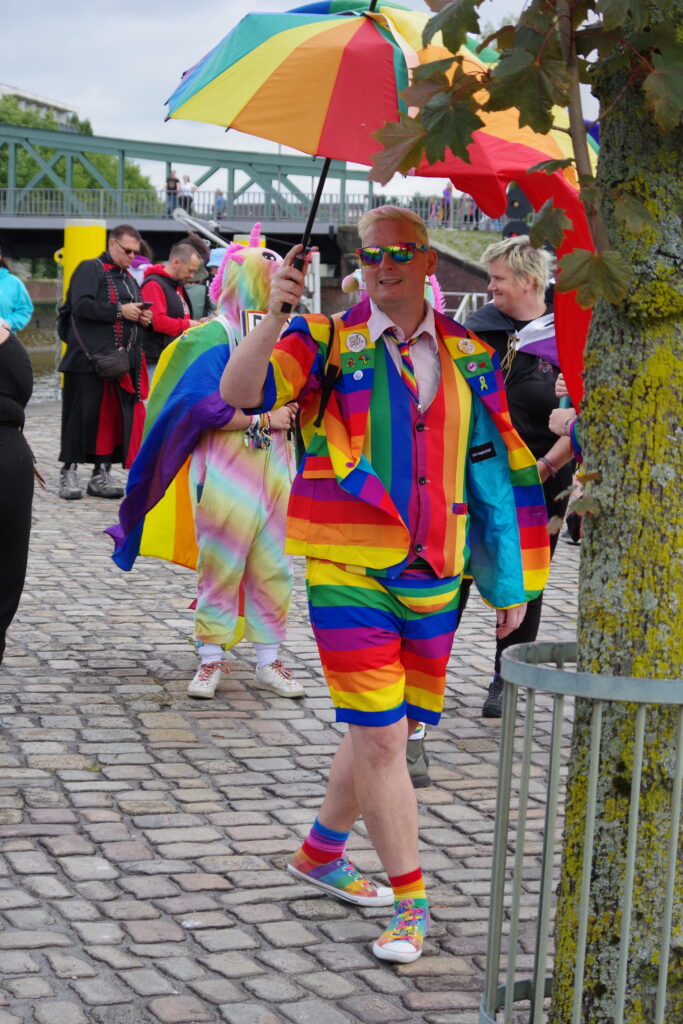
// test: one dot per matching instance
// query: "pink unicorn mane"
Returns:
(243, 279)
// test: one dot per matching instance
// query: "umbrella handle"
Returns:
(299, 262)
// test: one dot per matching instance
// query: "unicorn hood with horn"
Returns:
(242, 283)
(155, 517)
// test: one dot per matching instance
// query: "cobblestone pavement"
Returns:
(144, 836)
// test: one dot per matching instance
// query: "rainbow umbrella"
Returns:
(323, 78)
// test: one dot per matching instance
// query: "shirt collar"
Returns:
(379, 322)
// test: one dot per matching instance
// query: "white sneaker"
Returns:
(277, 679)
(206, 680)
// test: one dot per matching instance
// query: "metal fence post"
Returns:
(540, 668)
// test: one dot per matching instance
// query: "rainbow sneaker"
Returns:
(340, 878)
(402, 941)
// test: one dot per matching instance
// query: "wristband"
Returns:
(548, 463)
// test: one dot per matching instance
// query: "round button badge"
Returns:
(356, 343)
(358, 375)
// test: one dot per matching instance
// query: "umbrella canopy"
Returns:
(324, 77)
(319, 83)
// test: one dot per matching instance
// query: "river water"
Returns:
(44, 350)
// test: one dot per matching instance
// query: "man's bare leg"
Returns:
(369, 775)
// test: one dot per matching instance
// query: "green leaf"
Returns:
(549, 166)
(584, 506)
(550, 223)
(640, 13)
(538, 16)
(590, 194)
(614, 12)
(533, 85)
(403, 144)
(663, 90)
(555, 524)
(417, 94)
(432, 68)
(503, 38)
(454, 22)
(449, 125)
(597, 38)
(594, 276)
(633, 215)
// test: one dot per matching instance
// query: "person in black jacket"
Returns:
(518, 322)
(171, 309)
(102, 420)
(16, 476)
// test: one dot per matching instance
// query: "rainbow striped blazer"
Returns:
(341, 508)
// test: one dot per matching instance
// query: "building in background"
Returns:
(63, 115)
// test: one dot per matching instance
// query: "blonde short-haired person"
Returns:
(518, 323)
(414, 463)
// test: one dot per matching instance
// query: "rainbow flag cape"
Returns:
(155, 517)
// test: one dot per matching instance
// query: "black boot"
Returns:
(493, 705)
(101, 484)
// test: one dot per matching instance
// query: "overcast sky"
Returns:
(116, 64)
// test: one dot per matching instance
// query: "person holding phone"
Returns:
(102, 420)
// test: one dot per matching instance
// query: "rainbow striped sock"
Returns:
(323, 844)
(410, 886)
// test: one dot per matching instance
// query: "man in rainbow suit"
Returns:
(412, 477)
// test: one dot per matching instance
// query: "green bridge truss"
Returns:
(53, 155)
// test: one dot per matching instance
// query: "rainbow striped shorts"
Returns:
(384, 644)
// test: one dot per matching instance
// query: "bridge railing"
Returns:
(252, 205)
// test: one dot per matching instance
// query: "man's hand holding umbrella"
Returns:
(243, 377)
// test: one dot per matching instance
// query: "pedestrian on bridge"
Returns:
(412, 475)
(172, 192)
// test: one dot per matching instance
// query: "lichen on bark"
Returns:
(631, 584)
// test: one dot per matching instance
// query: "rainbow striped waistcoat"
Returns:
(346, 506)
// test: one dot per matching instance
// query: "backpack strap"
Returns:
(332, 371)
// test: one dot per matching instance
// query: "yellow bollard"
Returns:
(83, 240)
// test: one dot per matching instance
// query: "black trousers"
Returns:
(16, 497)
(527, 631)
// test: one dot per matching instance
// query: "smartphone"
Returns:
(145, 305)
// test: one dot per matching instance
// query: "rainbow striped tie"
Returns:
(407, 368)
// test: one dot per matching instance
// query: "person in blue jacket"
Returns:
(16, 308)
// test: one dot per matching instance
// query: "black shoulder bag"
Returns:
(107, 365)
(329, 379)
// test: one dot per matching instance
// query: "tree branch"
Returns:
(577, 128)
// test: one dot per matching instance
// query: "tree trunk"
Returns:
(631, 591)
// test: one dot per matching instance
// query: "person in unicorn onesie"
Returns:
(230, 473)
(413, 476)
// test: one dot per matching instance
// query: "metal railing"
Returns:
(520, 906)
(251, 205)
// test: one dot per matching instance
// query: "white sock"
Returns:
(419, 732)
(266, 654)
(209, 652)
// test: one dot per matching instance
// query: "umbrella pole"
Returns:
(300, 261)
(306, 237)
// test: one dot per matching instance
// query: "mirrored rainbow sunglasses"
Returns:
(402, 252)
